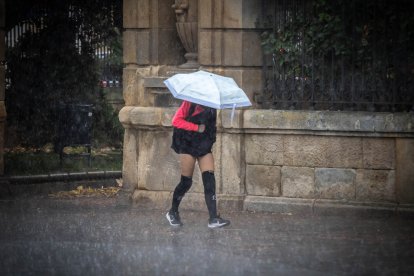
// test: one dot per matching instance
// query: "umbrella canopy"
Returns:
(207, 89)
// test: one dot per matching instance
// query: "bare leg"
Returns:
(187, 164)
(206, 163)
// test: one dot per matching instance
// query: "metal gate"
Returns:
(338, 55)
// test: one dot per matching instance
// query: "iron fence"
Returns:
(338, 55)
(111, 75)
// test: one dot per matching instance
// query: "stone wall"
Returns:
(265, 159)
(2, 83)
(321, 157)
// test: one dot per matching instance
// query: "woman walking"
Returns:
(193, 138)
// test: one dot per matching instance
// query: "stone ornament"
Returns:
(187, 29)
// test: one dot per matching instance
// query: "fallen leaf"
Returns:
(88, 192)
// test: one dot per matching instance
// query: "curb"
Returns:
(324, 206)
(195, 201)
(45, 178)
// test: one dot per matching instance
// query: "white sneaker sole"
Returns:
(217, 225)
(170, 221)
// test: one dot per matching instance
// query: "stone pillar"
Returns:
(150, 37)
(229, 42)
(150, 45)
(2, 83)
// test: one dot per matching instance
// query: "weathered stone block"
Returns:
(161, 98)
(232, 48)
(251, 12)
(145, 116)
(136, 14)
(124, 116)
(330, 121)
(232, 14)
(263, 180)
(169, 49)
(205, 19)
(375, 185)
(229, 13)
(379, 153)
(343, 120)
(405, 170)
(209, 50)
(137, 47)
(130, 86)
(129, 44)
(251, 49)
(277, 119)
(154, 82)
(335, 183)
(144, 48)
(130, 160)
(298, 182)
(264, 149)
(226, 120)
(231, 164)
(204, 47)
(220, 14)
(394, 122)
(166, 14)
(158, 166)
(134, 91)
(322, 151)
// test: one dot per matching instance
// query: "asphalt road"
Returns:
(90, 236)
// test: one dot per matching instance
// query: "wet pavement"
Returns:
(44, 236)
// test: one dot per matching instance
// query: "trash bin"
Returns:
(74, 128)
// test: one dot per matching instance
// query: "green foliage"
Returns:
(55, 63)
(344, 29)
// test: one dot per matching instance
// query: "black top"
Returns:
(195, 143)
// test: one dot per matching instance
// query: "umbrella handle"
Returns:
(232, 114)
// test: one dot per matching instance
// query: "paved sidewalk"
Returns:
(43, 236)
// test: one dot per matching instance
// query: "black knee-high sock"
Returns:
(209, 182)
(180, 190)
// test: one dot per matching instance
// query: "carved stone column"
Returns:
(187, 28)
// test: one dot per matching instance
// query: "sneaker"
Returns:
(173, 218)
(217, 222)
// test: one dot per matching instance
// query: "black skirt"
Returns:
(194, 143)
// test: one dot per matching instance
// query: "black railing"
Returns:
(338, 55)
(111, 74)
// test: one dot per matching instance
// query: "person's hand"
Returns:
(201, 128)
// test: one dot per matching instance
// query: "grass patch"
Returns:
(32, 162)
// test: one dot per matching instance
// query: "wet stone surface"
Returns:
(43, 236)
